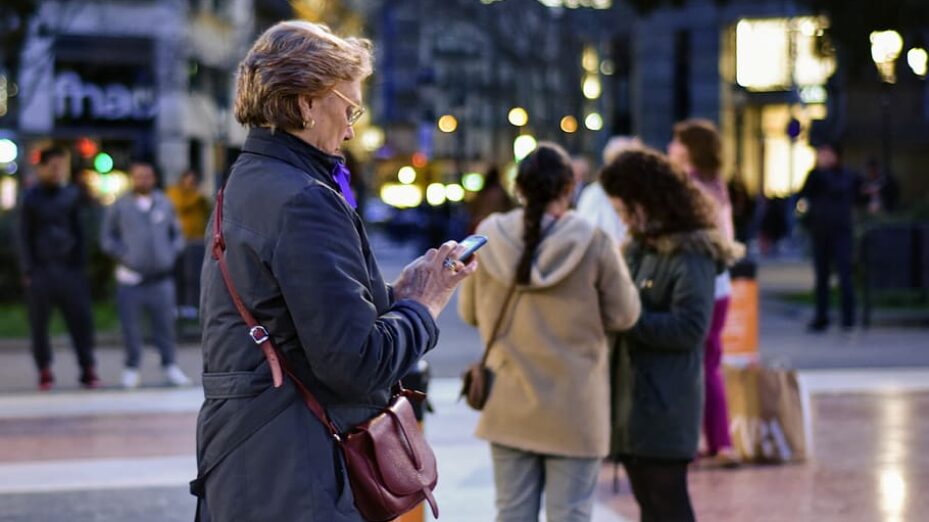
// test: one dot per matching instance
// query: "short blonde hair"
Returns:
(290, 60)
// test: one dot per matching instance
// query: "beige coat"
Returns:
(551, 394)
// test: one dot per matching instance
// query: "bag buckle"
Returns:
(259, 334)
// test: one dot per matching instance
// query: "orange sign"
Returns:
(740, 334)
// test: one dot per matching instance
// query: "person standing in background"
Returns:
(580, 166)
(697, 150)
(594, 205)
(142, 233)
(193, 211)
(492, 198)
(879, 189)
(832, 191)
(53, 263)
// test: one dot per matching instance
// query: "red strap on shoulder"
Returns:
(260, 334)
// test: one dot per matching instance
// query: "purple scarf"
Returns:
(343, 177)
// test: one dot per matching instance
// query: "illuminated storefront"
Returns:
(776, 71)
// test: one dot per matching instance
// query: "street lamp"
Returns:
(518, 117)
(448, 123)
(594, 121)
(885, 49)
(918, 60)
(522, 146)
(569, 124)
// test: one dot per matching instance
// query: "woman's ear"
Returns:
(306, 105)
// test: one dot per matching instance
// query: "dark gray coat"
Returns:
(658, 372)
(300, 258)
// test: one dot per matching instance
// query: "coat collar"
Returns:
(709, 242)
(292, 150)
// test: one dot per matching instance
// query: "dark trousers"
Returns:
(660, 489)
(156, 299)
(834, 249)
(65, 288)
(187, 274)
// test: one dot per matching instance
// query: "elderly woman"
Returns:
(299, 257)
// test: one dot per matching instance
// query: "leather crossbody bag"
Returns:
(391, 468)
(478, 379)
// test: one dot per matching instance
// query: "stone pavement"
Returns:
(116, 456)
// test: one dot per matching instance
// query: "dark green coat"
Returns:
(658, 365)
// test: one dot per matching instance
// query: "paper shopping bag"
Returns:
(766, 414)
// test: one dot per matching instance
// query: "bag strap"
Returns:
(259, 334)
(498, 324)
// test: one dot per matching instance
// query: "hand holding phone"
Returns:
(471, 244)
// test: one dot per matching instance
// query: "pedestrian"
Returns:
(580, 165)
(675, 253)
(832, 192)
(879, 189)
(53, 264)
(193, 211)
(697, 150)
(299, 257)
(594, 205)
(141, 231)
(558, 285)
(490, 199)
(744, 208)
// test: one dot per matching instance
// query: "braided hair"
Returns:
(542, 177)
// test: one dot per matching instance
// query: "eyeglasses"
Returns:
(357, 110)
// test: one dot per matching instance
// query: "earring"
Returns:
(309, 124)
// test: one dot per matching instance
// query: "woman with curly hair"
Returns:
(674, 256)
(548, 415)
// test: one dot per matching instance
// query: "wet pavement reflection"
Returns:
(869, 464)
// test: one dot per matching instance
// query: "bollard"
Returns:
(418, 380)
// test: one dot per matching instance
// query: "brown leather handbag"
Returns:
(391, 468)
(478, 379)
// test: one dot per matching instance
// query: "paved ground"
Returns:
(115, 456)
(112, 455)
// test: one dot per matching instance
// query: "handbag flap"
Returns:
(404, 459)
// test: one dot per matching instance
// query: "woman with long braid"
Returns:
(548, 415)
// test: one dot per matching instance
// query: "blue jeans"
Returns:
(157, 300)
(521, 478)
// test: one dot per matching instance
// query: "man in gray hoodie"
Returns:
(142, 232)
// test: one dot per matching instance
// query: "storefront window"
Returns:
(779, 53)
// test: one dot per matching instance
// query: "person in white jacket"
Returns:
(594, 205)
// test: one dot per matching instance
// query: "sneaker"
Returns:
(89, 378)
(46, 379)
(175, 376)
(131, 378)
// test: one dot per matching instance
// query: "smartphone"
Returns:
(471, 245)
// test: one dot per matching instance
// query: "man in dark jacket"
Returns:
(142, 232)
(52, 260)
(831, 191)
